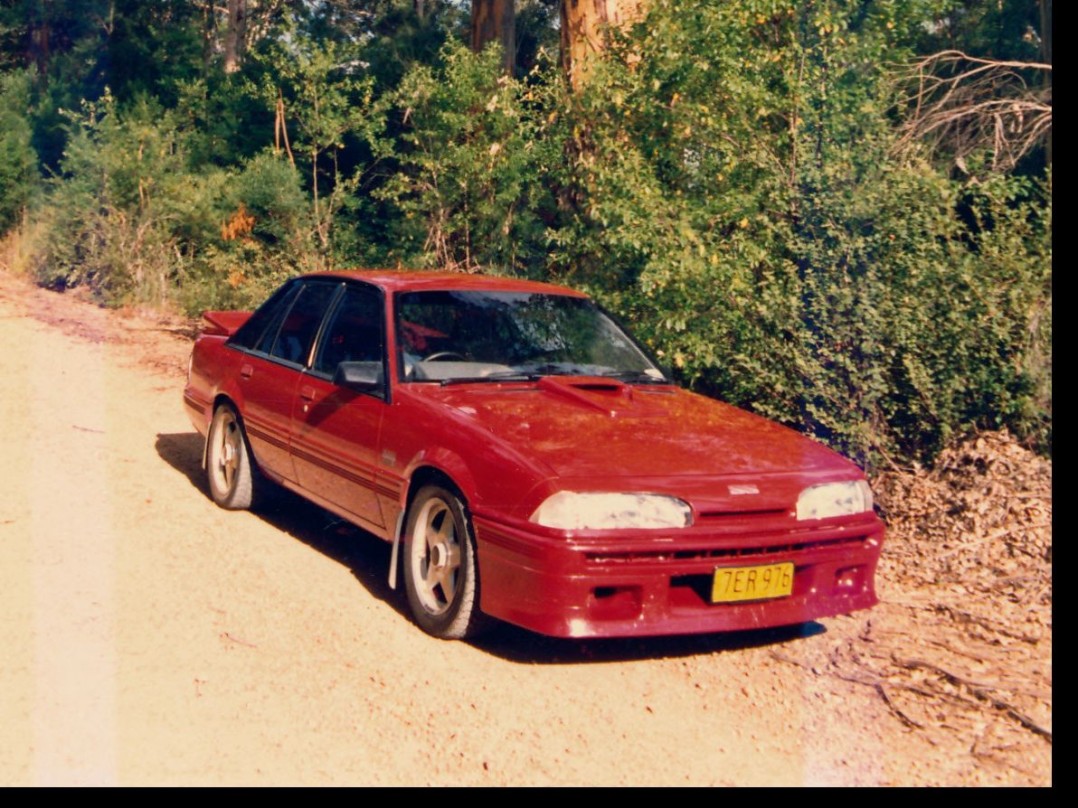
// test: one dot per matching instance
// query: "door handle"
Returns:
(306, 394)
(246, 372)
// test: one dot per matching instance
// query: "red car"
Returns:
(527, 459)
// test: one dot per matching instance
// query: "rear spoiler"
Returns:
(224, 323)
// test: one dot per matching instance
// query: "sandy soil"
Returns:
(151, 638)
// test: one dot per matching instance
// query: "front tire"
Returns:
(230, 471)
(440, 570)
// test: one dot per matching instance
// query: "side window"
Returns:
(293, 340)
(355, 331)
(266, 319)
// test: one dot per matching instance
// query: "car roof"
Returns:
(393, 280)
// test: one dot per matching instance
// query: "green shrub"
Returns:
(264, 236)
(130, 219)
(469, 190)
(733, 193)
(727, 182)
(18, 160)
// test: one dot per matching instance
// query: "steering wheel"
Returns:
(444, 355)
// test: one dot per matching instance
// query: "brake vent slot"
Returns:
(605, 387)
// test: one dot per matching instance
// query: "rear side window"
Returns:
(267, 318)
(293, 339)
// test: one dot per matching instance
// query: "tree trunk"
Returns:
(209, 33)
(236, 35)
(583, 24)
(38, 50)
(495, 21)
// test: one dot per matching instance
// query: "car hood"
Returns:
(599, 429)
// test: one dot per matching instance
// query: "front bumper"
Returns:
(649, 584)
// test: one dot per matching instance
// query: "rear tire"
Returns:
(230, 471)
(440, 570)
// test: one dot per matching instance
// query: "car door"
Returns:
(335, 431)
(271, 371)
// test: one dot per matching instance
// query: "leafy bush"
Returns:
(129, 219)
(727, 181)
(733, 193)
(18, 160)
(109, 214)
(468, 193)
(264, 236)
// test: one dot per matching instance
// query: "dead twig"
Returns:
(237, 640)
(894, 708)
(877, 684)
(981, 691)
(962, 104)
(789, 659)
(961, 616)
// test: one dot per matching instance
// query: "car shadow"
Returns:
(367, 558)
(183, 451)
(364, 554)
(522, 646)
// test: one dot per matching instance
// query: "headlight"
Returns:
(834, 499)
(570, 510)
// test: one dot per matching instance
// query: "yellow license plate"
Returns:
(733, 584)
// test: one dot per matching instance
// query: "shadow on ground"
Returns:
(367, 557)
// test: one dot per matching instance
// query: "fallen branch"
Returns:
(961, 616)
(981, 691)
(877, 684)
(894, 708)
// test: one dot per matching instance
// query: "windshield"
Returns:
(491, 336)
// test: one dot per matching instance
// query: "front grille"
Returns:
(716, 553)
(771, 513)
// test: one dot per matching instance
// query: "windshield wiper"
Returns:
(527, 373)
(531, 373)
(500, 376)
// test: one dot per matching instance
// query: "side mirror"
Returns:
(363, 377)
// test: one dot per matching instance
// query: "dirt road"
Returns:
(151, 638)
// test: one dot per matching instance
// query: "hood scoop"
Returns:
(608, 396)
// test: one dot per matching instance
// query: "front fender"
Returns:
(446, 462)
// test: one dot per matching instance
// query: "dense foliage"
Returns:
(728, 181)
